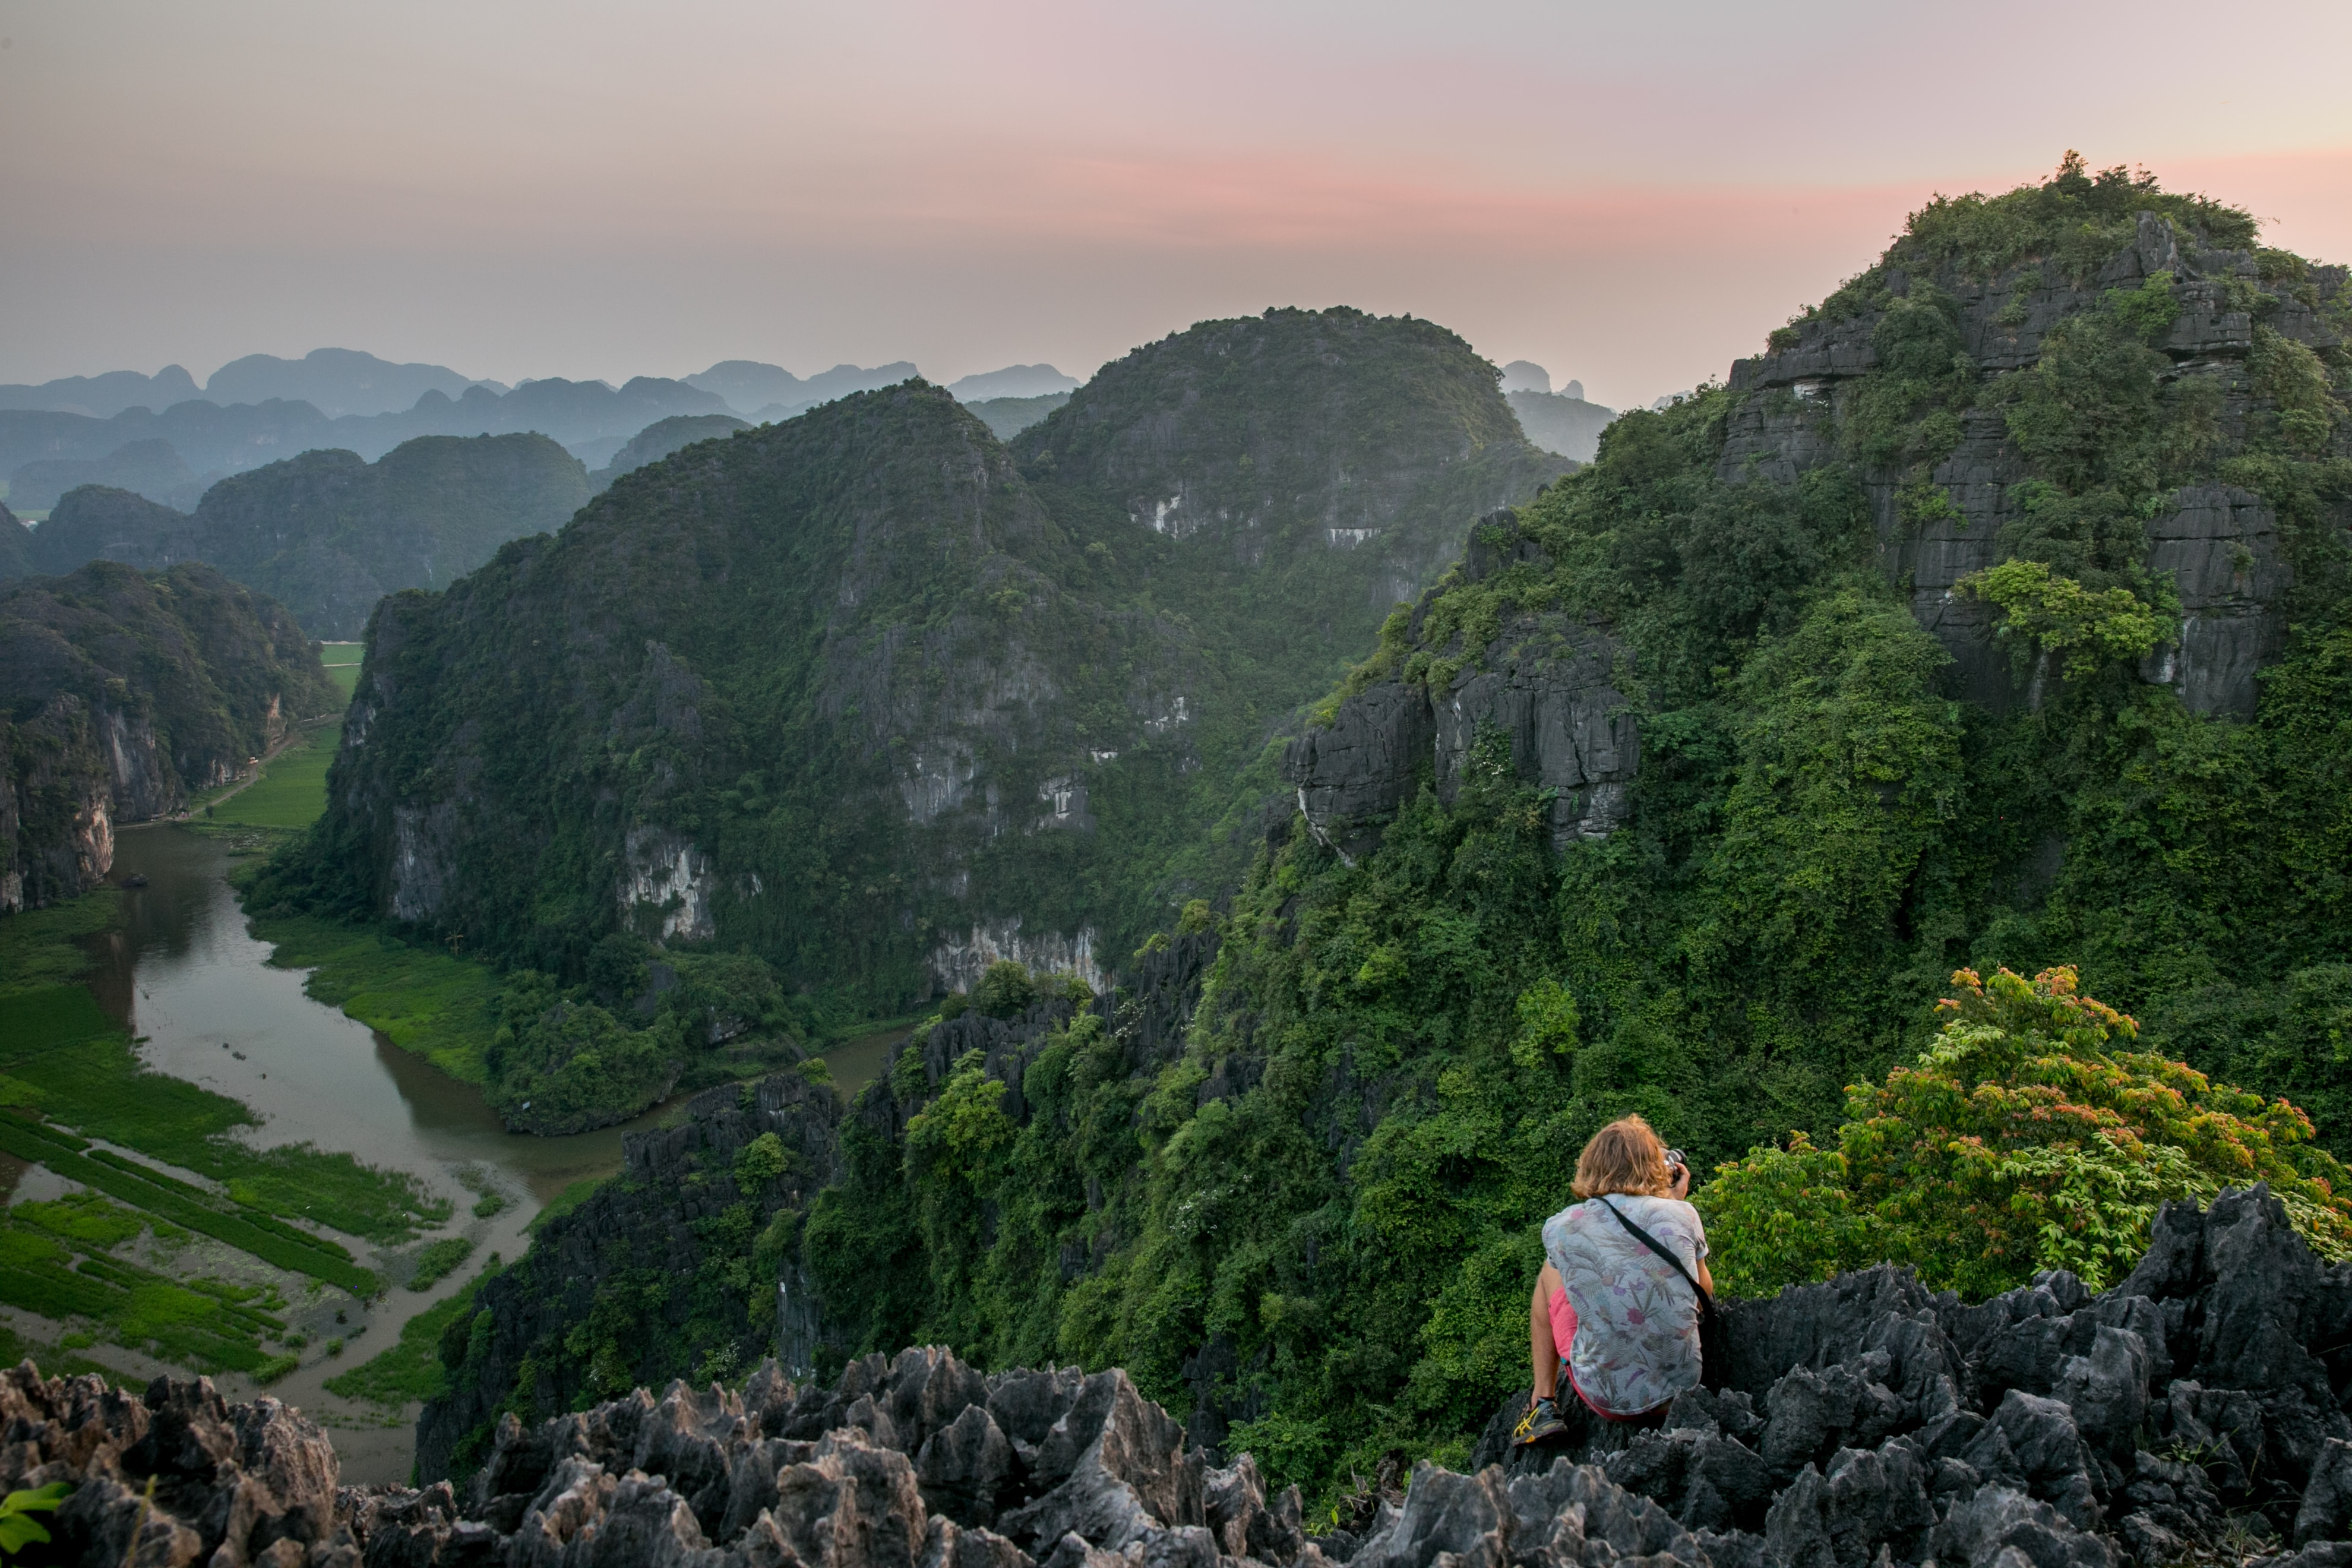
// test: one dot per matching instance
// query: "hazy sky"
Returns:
(1631, 193)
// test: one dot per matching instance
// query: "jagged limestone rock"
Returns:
(1900, 1431)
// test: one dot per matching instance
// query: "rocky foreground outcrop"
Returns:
(2194, 1411)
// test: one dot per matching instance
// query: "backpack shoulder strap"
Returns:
(1705, 1301)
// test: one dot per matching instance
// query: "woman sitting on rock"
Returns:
(1612, 1314)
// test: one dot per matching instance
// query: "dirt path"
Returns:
(262, 764)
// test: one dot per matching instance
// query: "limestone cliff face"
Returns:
(873, 696)
(835, 676)
(1547, 683)
(121, 693)
(2217, 542)
(1558, 687)
(655, 1215)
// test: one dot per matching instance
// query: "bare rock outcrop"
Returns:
(177, 1477)
(2219, 545)
(1867, 1414)
(1546, 683)
(1860, 1423)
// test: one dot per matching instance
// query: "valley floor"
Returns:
(256, 1149)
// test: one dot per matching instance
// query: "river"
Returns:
(184, 974)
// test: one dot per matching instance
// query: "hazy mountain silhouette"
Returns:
(335, 381)
(103, 397)
(151, 467)
(769, 391)
(1012, 380)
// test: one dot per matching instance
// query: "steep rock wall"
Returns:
(121, 694)
(669, 1213)
(2218, 544)
(1546, 683)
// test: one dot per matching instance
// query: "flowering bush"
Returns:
(2029, 1136)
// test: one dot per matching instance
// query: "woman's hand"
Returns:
(1681, 1188)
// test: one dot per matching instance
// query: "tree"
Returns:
(1005, 990)
(2029, 1136)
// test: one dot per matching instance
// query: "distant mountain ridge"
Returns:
(1012, 380)
(767, 393)
(659, 440)
(78, 429)
(328, 533)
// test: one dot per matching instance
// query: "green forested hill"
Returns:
(1257, 449)
(873, 697)
(327, 533)
(1928, 640)
(1995, 615)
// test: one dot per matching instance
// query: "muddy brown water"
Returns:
(184, 974)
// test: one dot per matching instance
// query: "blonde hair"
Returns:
(1625, 1156)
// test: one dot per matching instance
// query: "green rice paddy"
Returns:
(59, 1259)
(343, 662)
(291, 792)
(70, 1082)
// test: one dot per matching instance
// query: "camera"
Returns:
(1674, 1158)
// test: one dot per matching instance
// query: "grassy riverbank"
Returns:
(439, 1006)
(165, 1197)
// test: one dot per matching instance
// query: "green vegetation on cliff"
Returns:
(121, 694)
(2029, 1136)
(1939, 626)
(864, 695)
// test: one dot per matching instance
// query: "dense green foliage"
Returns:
(1326, 1214)
(660, 438)
(889, 682)
(1008, 417)
(2029, 1135)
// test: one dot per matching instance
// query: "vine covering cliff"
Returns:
(328, 534)
(873, 697)
(120, 693)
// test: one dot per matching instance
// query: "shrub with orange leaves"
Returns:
(2029, 1135)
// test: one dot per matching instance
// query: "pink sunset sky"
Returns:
(1630, 194)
